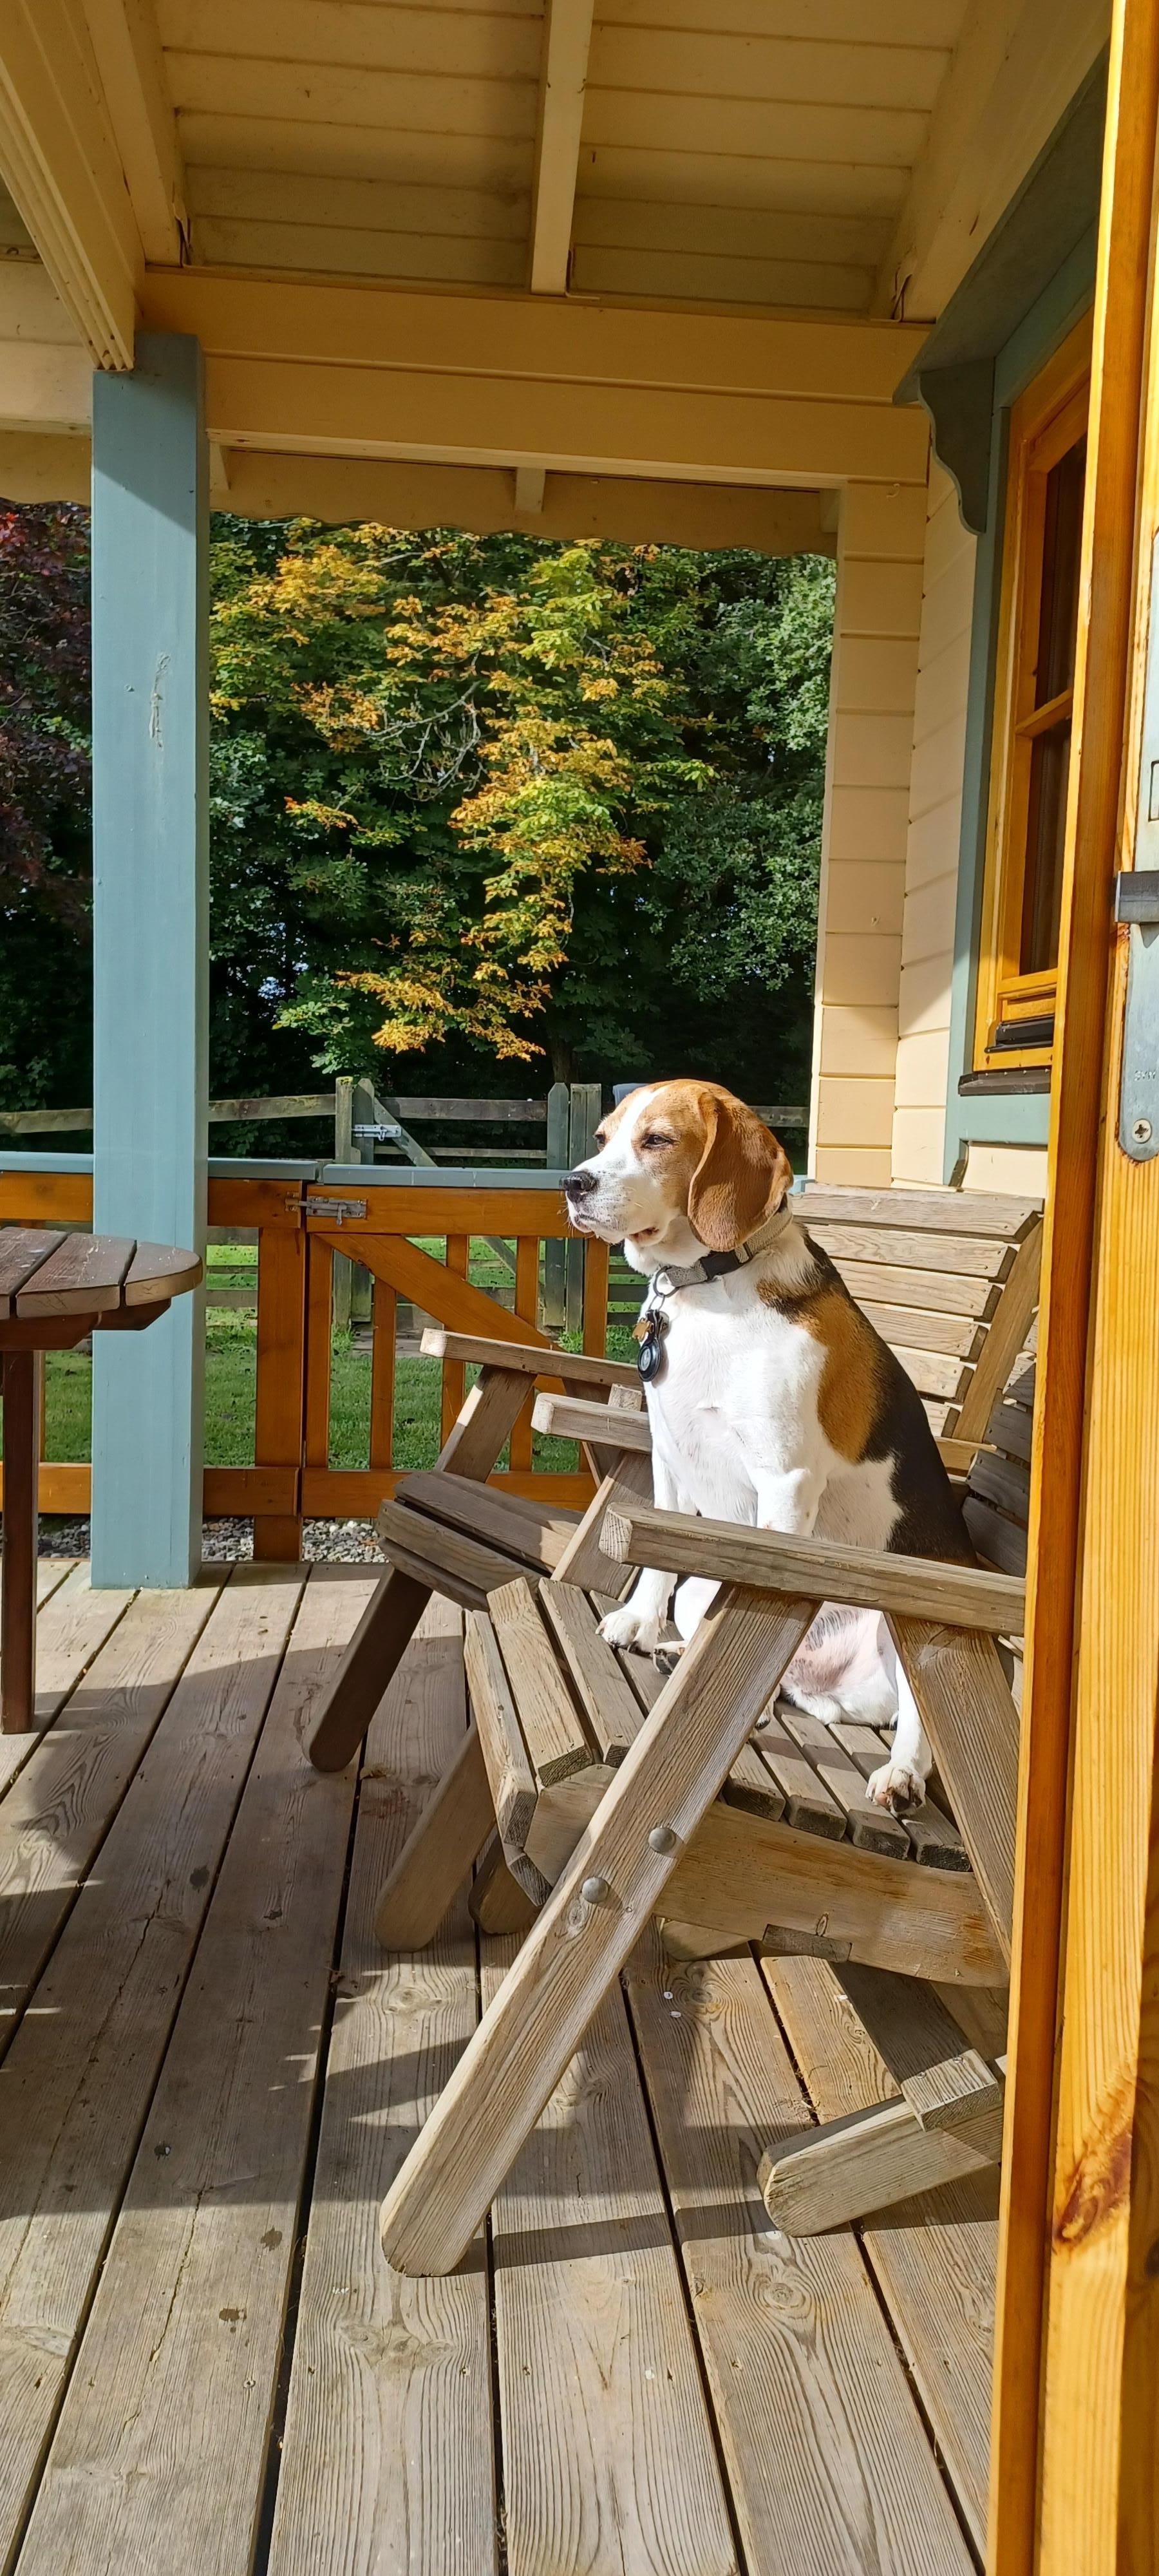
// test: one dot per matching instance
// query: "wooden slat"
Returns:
(436, 1858)
(160, 1270)
(465, 1312)
(553, 1731)
(967, 1711)
(527, 1308)
(924, 1587)
(22, 1252)
(932, 1373)
(946, 1212)
(595, 1305)
(190, 2243)
(934, 1839)
(388, 2440)
(56, 1814)
(612, 1710)
(449, 1561)
(954, 2092)
(918, 1329)
(454, 1385)
(1004, 1341)
(503, 1521)
(869, 1827)
(809, 1804)
(753, 1786)
(999, 1541)
(869, 2160)
(609, 2458)
(1011, 1428)
(944, 1292)
(962, 1256)
(82, 1277)
(583, 1561)
(280, 1400)
(81, 2067)
(1004, 1481)
(571, 1418)
(319, 1331)
(530, 2032)
(576, 1367)
(934, 2257)
(513, 1785)
(382, 1373)
(828, 2462)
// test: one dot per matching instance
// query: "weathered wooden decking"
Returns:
(210, 2074)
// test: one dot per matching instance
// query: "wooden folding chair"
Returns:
(624, 1812)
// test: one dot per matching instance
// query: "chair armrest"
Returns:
(532, 1359)
(573, 1418)
(912, 1587)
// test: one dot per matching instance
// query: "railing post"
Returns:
(583, 1120)
(555, 1252)
(364, 1111)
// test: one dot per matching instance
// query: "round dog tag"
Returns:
(650, 1356)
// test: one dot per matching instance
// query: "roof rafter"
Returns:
(566, 42)
(127, 48)
(61, 163)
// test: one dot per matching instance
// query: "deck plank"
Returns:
(830, 2467)
(77, 2078)
(388, 2451)
(70, 1630)
(58, 1810)
(158, 2458)
(608, 2454)
(934, 2256)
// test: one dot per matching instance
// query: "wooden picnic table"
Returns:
(54, 1289)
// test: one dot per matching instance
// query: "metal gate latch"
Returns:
(1137, 903)
(333, 1210)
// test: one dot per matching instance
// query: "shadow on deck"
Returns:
(211, 2074)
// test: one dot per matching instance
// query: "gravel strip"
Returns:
(231, 1542)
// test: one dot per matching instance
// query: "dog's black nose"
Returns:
(579, 1185)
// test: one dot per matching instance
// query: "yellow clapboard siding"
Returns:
(861, 968)
(337, 251)
(863, 1167)
(354, 205)
(812, 286)
(947, 602)
(937, 762)
(877, 675)
(328, 94)
(925, 989)
(881, 599)
(934, 838)
(921, 1068)
(364, 34)
(864, 896)
(861, 1041)
(943, 679)
(869, 828)
(660, 175)
(892, 137)
(929, 920)
(872, 750)
(918, 1144)
(713, 63)
(884, 524)
(857, 1112)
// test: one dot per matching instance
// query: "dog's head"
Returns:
(681, 1166)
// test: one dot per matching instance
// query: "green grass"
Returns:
(230, 1379)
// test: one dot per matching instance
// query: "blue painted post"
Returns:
(150, 536)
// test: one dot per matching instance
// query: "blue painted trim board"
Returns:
(1011, 1118)
(150, 541)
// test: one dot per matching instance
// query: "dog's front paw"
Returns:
(896, 1787)
(628, 1627)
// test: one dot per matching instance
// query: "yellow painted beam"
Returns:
(59, 159)
(581, 388)
(127, 48)
(484, 499)
(567, 36)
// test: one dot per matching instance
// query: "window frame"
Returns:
(1047, 420)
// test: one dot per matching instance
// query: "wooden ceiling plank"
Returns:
(128, 55)
(566, 41)
(61, 165)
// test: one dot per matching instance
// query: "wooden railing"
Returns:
(300, 1226)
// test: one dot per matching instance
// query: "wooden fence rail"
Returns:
(301, 1226)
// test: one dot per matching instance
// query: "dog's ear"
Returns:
(741, 1178)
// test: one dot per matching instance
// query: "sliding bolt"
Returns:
(663, 1838)
(596, 1891)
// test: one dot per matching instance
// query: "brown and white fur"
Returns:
(778, 1404)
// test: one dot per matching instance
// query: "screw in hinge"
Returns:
(1141, 1131)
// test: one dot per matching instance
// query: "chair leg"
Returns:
(599, 1908)
(498, 1903)
(438, 1852)
(397, 1603)
(866, 2161)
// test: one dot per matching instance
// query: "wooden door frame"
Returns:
(1077, 2359)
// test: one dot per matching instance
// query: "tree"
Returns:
(45, 806)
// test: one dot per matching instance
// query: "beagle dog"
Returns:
(771, 1398)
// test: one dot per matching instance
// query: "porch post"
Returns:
(150, 529)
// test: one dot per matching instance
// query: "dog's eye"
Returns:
(656, 1140)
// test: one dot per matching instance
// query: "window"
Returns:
(1018, 963)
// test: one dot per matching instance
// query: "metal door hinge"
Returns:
(1137, 906)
